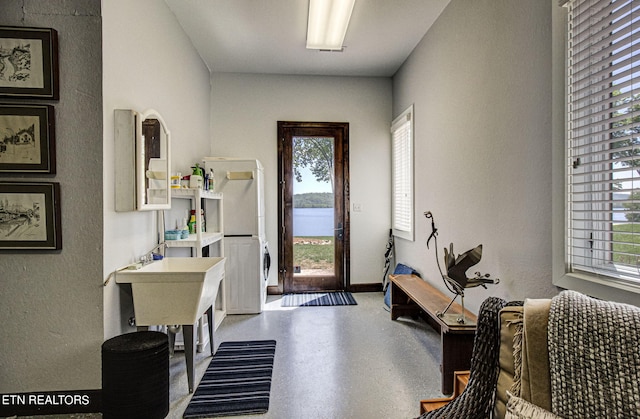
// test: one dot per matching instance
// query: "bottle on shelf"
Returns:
(184, 229)
(197, 177)
(198, 223)
(192, 223)
(212, 182)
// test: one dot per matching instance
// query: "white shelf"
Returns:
(220, 314)
(194, 193)
(192, 241)
(201, 239)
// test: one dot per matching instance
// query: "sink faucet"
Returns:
(149, 256)
(146, 259)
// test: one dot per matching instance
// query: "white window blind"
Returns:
(402, 175)
(604, 138)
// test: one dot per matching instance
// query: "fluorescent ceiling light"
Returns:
(328, 22)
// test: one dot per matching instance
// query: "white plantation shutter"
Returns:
(604, 138)
(402, 175)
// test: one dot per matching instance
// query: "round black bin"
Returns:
(135, 376)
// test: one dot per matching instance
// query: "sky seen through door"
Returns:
(309, 183)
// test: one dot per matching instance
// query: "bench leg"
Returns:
(401, 304)
(456, 356)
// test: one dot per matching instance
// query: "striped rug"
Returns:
(237, 381)
(339, 298)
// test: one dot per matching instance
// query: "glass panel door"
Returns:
(313, 198)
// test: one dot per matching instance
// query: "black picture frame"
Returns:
(27, 139)
(29, 63)
(30, 216)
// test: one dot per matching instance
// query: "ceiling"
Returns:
(269, 36)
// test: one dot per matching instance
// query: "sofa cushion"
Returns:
(519, 408)
(536, 381)
(510, 323)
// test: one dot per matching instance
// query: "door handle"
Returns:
(339, 231)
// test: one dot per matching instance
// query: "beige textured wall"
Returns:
(51, 302)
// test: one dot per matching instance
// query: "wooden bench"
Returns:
(413, 296)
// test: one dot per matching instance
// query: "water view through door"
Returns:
(312, 201)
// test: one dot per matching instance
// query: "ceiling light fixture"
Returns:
(328, 22)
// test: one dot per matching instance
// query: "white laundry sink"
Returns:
(174, 290)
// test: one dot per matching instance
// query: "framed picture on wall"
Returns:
(27, 139)
(28, 63)
(30, 216)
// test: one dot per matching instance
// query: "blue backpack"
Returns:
(400, 270)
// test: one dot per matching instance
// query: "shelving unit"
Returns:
(200, 239)
(213, 234)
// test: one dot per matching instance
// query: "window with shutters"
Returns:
(402, 175)
(603, 154)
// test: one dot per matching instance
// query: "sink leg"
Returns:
(189, 352)
(210, 320)
(200, 338)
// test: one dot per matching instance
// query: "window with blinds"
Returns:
(604, 138)
(402, 175)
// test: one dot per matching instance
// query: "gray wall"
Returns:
(245, 109)
(481, 83)
(51, 302)
(149, 63)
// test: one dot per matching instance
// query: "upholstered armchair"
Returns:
(571, 356)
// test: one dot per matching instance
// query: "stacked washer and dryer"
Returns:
(241, 182)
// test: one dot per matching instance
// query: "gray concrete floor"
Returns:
(343, 362)
(333, 362)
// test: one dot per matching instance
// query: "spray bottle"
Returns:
(196, 177)
(212, 182)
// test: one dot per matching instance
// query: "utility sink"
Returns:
(174, 290)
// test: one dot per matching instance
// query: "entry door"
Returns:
(313, 220)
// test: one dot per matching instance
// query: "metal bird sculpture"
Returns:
(456, 278)
(457, 268)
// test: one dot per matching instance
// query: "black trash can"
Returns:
(135, 376)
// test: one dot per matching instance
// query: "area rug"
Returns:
(236, 382)
(339, 298)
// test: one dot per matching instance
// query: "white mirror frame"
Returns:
(141, 170)
(130, 170)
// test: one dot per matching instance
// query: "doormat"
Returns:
(236, 382)
(338, 298)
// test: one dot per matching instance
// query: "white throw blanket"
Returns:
(594, 356)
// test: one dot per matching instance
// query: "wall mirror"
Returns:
(152, 151)
(143, 148)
